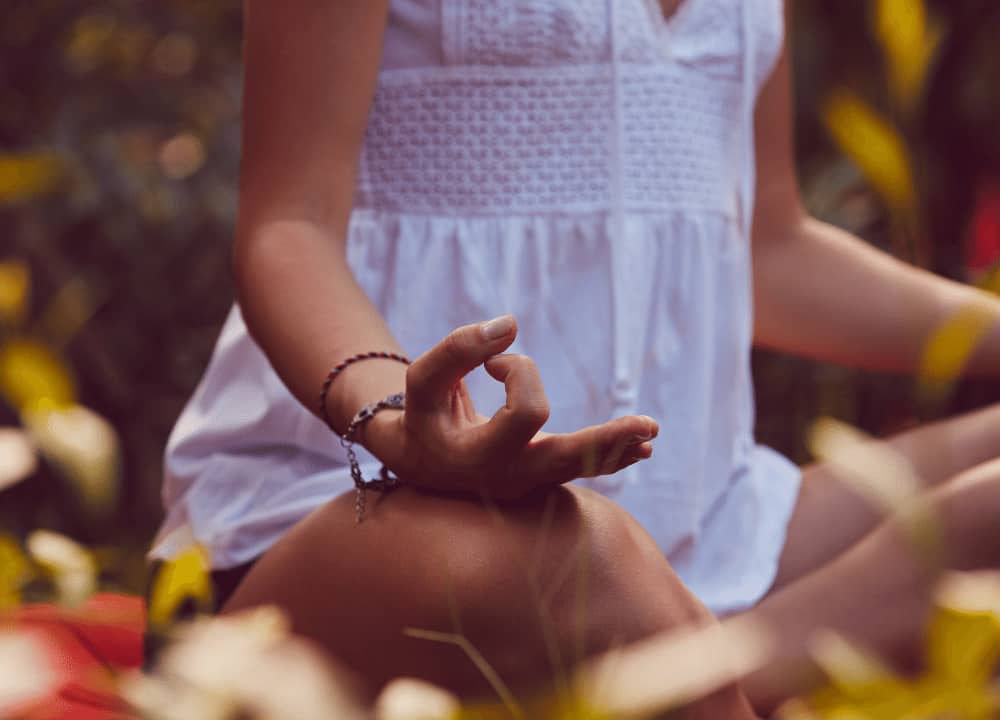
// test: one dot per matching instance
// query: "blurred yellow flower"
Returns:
(671, 670)
(950, 346)
(25, 672)
(243, 665)
(909, 41)
(32, 376)
(72, 566)
(882, 476)
(963, 650)
(873, 144)
(25, 176)
(18, 457)
(84, 447)
(410, 699)
(15, 289)
(15, 570)
(187, 576)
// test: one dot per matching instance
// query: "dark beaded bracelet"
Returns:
(340, 368)
(386, 480)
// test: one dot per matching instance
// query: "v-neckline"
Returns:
(674, 21)
(668, 28)
(668, 17)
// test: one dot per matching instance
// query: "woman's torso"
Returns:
(586, 165)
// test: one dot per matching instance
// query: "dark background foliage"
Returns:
(141, 100)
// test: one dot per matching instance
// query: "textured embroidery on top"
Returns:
(706, 33)
(474, 141)
(525, 32)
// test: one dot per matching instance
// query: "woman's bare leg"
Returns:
(534, 586)
(830, 517)
(878, 592)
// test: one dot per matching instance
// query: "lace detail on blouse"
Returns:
(499, 140)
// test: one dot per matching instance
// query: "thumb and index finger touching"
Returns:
(437, 372)
(433, 375)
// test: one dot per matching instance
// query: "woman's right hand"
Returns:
(441, 442)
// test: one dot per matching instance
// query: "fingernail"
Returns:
(640, 438)
(497, 327)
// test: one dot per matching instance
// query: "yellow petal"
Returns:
(32, 376)
(15, 570)
(908, 42)
(882, 476)
(970, 591)
(18, 457)
(672, 669)
(84, 447)
(963, 646)
(25, 672)
(250, 662)
(847, 665)
(15, 288)
(72, 566)
(872, 468)
(873, 144)
(950, 346)
(25, 176)
(410, 699)
(187, 576)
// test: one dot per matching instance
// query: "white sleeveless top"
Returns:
(586, 165)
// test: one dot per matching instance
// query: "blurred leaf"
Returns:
(33, 377)
(84, 447)
(187, 576)
(949, 348)
(909, 43)
(25, 673)
(15, 570)
(72, 566)
(874, 144)
(23, 177)
(15, 286)
(18, 457)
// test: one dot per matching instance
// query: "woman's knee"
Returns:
(530, 584)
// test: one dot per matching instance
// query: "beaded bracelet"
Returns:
(340, 368)
(386, 480)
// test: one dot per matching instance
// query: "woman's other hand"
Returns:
(441, 442)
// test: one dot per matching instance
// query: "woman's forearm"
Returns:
(304, 308)
(824, 293)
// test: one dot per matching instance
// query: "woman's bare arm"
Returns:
(311, 73)
(311, 68)
(820, 291)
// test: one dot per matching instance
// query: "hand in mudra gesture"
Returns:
(441, 442)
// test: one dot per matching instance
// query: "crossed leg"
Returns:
(847, 568)
(534, 586)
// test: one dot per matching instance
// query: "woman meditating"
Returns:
(617, 175)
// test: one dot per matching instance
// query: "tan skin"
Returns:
(303, 130)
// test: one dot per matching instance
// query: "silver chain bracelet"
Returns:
(386, 480)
